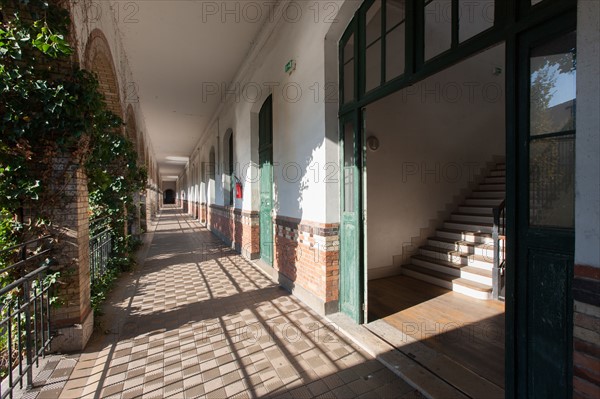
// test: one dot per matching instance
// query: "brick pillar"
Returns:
(149, 210)
(74, 319)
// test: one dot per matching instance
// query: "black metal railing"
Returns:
(101, 246)
(499, 237)
(25, 332)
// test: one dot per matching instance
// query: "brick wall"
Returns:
(586, 332)
(307, 253)
(235, 227)
(203, 213)
(98, 59)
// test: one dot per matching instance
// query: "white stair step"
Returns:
(477, 275)
(465, 247)
(495, 180)
(500, 166)
(461, 235)
(483, 262)
(465, 217)
(436, 265)
(466, 226)
(472, 289)
(483, 201)
(498, 173)
(476, 210)
(488, 194)
(458, 284)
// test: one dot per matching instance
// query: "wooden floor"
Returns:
(467, 330)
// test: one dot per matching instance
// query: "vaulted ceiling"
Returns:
(178, 50)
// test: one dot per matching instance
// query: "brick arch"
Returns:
(142, 153)
(131, 128)
(98, 59)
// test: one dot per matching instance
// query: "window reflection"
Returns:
(552, 105)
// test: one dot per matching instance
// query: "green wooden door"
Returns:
(545, 211)
(265, 159)
(351, 281)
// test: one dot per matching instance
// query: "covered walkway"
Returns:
(198, 320)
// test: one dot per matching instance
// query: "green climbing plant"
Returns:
(50, 109)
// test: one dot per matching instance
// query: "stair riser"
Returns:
(457, 259)
(467, 227)
(486, 250)
(471, 292)
(486, 211)
(495, 180)
(436, 267)
(452, 271)
(491, 202)
(448, 285)
(492, 187)
(498, 173)
(489, 194)
(476, 278)
(464, 237)
(472, 218)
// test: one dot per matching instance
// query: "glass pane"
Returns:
(373, 22)
(551, 184)
(552, 90)
(438, 27)
(348, 78)
(373, 67)
(395, 53)
(349, 49)
(394, 13)
(534, 2)
(349, 168)
(474, 17)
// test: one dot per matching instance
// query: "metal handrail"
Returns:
(498, 234)
(100, 252)
(25, 323)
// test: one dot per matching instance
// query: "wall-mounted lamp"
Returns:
(373, 143)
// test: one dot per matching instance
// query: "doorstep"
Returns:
(422, 379)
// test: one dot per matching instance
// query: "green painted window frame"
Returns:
(512, 18)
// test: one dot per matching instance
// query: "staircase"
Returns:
(460, 256)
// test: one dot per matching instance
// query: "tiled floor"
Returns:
(198, 320)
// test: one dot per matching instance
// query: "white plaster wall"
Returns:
(301, 157)
(435, 137)
(587, 145)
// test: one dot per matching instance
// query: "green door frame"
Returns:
(351, 225)
(265, 159)
(512, 19)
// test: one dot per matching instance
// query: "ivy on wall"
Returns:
(51, 109)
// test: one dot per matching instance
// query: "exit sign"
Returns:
(290, 66)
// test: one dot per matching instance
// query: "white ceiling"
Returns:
(175, 49)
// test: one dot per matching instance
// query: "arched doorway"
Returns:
(169, 198)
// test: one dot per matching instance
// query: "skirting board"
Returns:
(383, 272)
